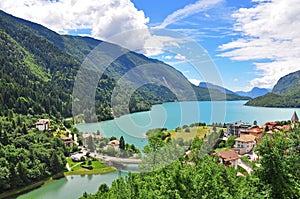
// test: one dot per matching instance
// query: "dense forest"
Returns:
(27, 155)
(277, 175)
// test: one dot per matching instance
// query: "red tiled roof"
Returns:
(246, 138)
(228, 155)
(42, 121)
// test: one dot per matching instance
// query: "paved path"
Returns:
(119, 160)
(69, 168)
(246, 166)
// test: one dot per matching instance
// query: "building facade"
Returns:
(245, 143)
(234, 129)
(43, 124)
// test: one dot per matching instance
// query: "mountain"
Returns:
(213, 86)
(39, 68)
(255, 92)
(288, 84)
(286, 93)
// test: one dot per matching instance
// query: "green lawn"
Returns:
(70, 162)
(194, 131)
(98, 168)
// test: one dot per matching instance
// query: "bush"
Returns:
(178, 129)
(82, 158)
(89, 167)
(89, 162)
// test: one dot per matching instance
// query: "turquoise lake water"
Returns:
(134, 126)
(171, 115)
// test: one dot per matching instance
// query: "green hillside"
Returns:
(39, 66)
(286, 93)
(287, 84)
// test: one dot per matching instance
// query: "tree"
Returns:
(230, 141)
(255, 123)
(266, 128)
(122, 143)
(24, 129)
(280, 163)
(103, 188)
(56, 163)
(91, 144)
(112, 138)
(4, 175)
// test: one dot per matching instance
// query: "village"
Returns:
(247, 137)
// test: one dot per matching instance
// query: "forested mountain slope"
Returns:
(38, 69)
(286, 93)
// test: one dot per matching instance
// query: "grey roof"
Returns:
(295, 117)
(241, 124)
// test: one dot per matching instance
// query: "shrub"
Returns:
(89, 162)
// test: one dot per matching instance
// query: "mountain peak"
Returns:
(254, 92)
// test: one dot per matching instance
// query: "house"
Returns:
(43, 124)
(294, 118)
(229, 158)
(270, 125)
(245, 143)
(67, 140)
(255, 131)
(114, 143)
(234, 129)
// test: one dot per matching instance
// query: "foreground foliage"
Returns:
(27, 156)
(276, 177)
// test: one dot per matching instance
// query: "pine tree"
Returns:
(122, 143)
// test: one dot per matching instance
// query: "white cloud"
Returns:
(180, 57)
(235, 80)
(167, 57)
(196, 82)
(270, 37)
(191, 9)
(105, 18)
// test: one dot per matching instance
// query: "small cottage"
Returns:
(229, 158)
(114, 143)
(43, 124)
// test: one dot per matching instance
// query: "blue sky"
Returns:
(251, 42)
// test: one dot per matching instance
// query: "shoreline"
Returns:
(35, 185)
(91, 172)
(14, 193)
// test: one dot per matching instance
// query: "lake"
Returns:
(133, 127)
(171, 115)
(72, 187)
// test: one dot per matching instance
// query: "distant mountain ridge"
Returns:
(214, 86)
(255, 92)
(286, 93)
